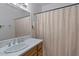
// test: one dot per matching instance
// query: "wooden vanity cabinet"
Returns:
(35, 51)
(40, 49)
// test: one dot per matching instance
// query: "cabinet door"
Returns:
(40, 49)
(40, 52)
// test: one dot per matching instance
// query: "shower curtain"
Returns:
(59, 30)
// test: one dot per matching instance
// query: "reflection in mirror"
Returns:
(15, 20)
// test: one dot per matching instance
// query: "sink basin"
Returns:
(15, 48)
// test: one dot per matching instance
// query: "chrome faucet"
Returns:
(13, 42)
(10, 43)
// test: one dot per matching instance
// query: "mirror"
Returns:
(14, 20)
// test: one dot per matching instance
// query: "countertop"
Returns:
(30, 41)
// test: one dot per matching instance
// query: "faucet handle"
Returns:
(10, 43)
(15, 41)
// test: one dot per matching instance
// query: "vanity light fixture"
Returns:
(20, 5)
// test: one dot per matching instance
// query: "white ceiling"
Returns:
(43, 4)
(38, 7)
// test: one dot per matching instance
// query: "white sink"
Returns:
(16, 48)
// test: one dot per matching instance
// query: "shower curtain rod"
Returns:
(57, 8)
